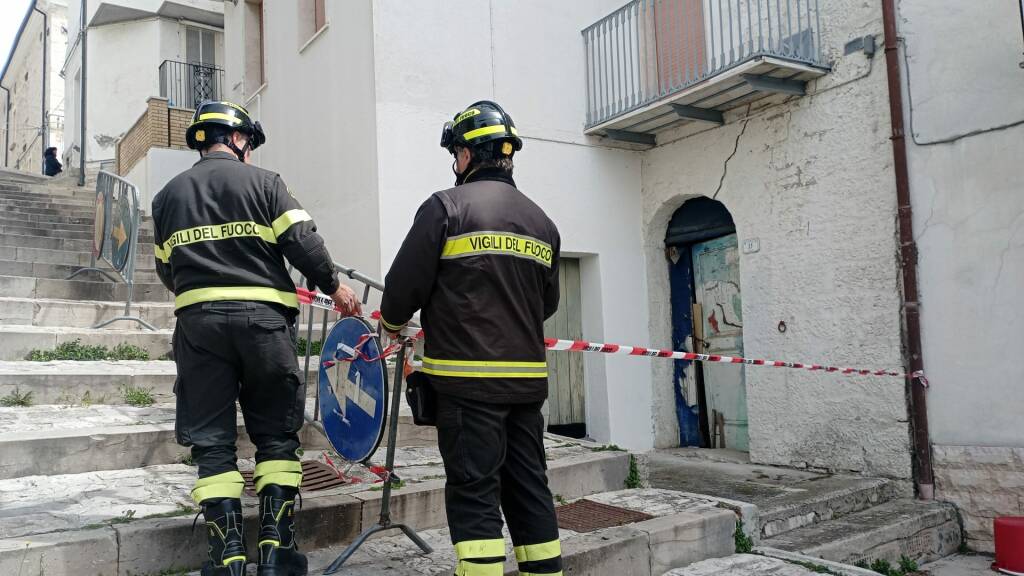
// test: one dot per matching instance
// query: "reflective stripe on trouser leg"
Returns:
(226, 485)
(544, 558)
(480, 557)
(280, 472)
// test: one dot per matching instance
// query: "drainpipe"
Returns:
(908, 259)
(7, 126)
(82, 86)
(44, 125)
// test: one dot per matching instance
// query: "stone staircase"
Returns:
(91, 484)
(839, 518)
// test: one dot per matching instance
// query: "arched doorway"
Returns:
(703, 255)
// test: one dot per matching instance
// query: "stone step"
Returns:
(143, 259)
(825, 499)
(50, 439)
(48, 208)
(45, 256)
(106, 291)
(54, 192)
(50, 218)
(62, 271)
(17, 340)
(6, 220)
(921, 531)
(765, 565)
(57, 231)
(26, 241)
(22, 196)
(70, 382)
(79, 313)
(110, 522)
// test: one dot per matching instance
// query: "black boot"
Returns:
(226, 541)
(279, 555)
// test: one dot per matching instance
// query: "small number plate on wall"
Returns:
(751, 245)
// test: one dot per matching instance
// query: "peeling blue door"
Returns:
(717, 290)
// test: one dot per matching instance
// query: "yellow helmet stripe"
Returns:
(487, 130)
(219, 116)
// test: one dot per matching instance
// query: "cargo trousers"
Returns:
(238, 351)
(495, 462)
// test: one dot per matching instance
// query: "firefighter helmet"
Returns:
(482, 123)
(225, 114)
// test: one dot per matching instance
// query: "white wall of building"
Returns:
(156, 169)
(812, 180)
(123, 70)
(316, 104)
(528, 57)
(965, 116)
(24, 79)
(963, 77)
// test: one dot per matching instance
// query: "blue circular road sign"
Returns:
(353, 389)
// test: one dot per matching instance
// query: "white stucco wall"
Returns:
(812, 180)
(156, 169)
(123, 70)
(24, 79)
(527, 56)
(318, 110)
(962, 77)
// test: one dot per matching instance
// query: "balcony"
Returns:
(185, 85)
(654, 65)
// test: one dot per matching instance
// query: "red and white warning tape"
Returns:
(321, 301)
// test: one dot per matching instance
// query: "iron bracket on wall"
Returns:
(634, 137)
(772, 84)
(695, 113)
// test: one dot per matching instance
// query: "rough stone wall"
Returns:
(983, 482)
(812, 179)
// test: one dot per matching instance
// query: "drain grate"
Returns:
(588, 516)
(316, 476)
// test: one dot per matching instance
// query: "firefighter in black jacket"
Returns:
(223, 229)
(481, 262)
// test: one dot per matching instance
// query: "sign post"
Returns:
(384, 523)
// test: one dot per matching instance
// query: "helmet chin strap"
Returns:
(240, 152)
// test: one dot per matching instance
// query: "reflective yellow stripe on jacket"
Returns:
(501, 243)
(217, 293)
(484, 368)
(228, 230)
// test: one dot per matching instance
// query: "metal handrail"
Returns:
(650, 49)
(110, 187)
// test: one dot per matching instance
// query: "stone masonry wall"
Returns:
(812, 180)
(983, 482)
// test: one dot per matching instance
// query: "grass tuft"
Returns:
(17, 398)
(744, 545)
(139, 397)
(77, 351)
(633, 478)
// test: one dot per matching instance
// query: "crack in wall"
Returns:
(735, 148)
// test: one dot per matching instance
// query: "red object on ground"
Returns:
(1009, 539)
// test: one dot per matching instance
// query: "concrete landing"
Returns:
(677, 536)
(97, 531)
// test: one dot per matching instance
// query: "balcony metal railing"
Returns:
(650, 49)
(185, 85)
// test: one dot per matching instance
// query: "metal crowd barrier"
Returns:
(116, 238)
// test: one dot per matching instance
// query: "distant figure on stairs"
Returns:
(51, 166)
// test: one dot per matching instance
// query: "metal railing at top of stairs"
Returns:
(116, 238)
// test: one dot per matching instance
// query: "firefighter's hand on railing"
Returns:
(347, 301)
